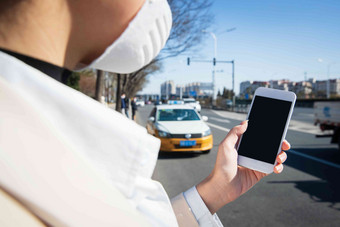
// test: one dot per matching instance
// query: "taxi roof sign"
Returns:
(175, 102)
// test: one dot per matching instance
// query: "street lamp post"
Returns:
(214, 63)
(328, 84)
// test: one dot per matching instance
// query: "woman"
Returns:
(65, 159)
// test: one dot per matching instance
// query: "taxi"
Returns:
(180, 128)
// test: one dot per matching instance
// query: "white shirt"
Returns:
(74, 162)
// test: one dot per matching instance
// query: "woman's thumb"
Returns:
(236, 132)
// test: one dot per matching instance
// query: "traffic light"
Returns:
(214, 61)
(188, 61)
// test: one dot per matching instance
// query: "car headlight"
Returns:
(207, 133)
(163, 134)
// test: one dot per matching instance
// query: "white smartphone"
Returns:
(269, 117)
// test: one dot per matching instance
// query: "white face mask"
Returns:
(141, 41)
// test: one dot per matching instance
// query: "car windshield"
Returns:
(190, 101)
(177, 115)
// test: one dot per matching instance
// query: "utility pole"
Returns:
(166, 90)
(180, 92)
(233, 76)
(214, 96)
(328, 72)
(328, 82)
(214, 61)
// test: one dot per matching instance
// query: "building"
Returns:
(179, 90)
(244, 85)
(303, 89)
(168, 89)
(248, 87)
(334, 87)
(284, 84)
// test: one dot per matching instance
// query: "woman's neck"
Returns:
(31, 28)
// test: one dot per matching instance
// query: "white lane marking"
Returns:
(305, 114)
(294, 125)
(219, 119)
(218, 127)
(315, 159)
(305, 127)
(231, 115)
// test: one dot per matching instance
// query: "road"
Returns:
(307, 193)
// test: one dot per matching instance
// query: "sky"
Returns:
(274, 39)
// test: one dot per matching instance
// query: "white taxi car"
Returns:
(180, 128)
(192, 102)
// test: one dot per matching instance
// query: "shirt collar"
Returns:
(58, 73)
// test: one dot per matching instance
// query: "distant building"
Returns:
(249, 87)
(284, 84)
(179, 90)
(244, 85)
(168, 89)
(335, 87)
(303, 89)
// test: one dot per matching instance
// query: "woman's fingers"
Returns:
(282, 157)
(285, 145)
(278, 168)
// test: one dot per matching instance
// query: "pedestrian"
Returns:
(66, 160)
(134, 108)
(124, 105)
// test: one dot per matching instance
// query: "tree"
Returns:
(227, 94)
(189, 19)
(134, 82)
(73, 80)
(87, 82)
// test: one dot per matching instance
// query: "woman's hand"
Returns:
(228, 181)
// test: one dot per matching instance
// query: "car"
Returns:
(180, 128)
(192, 102)
(158, 103)
(229, 102)
(140, 103)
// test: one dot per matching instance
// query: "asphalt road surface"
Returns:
(307, 193)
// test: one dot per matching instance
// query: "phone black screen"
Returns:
(267, 120)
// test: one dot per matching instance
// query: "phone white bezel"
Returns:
(274, 94)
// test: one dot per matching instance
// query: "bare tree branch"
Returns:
(190, 17)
